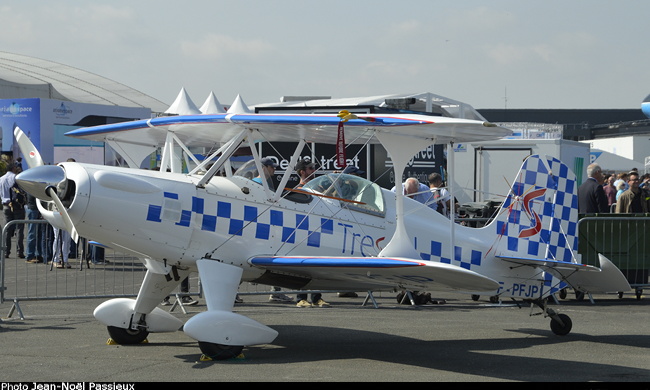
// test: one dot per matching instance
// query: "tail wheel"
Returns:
(127, 336)
(561, 325)
(220, 351)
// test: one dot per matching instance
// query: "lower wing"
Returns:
(371, 273)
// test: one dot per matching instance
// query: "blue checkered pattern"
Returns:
(294, 226)
(471, 258)
(557, 210)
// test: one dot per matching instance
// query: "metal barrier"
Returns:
(622, 238)
(120, 276)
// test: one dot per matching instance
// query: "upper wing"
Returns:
(369, 273)
(208, 130)
(607, 278)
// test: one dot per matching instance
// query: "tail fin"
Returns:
(539, 217)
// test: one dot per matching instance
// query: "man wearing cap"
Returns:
(268, 169)
(12, 211)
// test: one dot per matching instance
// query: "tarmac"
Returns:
(460, 340)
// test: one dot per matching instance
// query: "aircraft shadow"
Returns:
(299, 344)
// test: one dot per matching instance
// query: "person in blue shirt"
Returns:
(268, 169)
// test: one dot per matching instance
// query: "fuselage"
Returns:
(166, 217)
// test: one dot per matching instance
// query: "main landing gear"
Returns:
(560, 323)
(211, 350)
(220, 351)
(127, 336)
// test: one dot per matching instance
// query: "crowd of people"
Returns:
(625, 192)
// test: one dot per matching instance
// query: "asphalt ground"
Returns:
(461, 340)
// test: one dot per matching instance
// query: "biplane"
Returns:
(340, 232)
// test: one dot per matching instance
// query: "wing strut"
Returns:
(228, 150)
(289, 170)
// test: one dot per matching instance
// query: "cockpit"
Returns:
(354, 192)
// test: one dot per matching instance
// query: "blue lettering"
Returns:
(345, 235)
(366, 242)
(522, 289)
(354, 239)
(350, 238)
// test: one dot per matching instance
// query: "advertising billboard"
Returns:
(45, 122)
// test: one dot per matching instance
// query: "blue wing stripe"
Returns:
(349, 262)
(241, 119)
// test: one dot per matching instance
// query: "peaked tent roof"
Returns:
(239, 107)
(183, 105)
(212, 105)
(29, 77)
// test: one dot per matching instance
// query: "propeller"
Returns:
(43, 181)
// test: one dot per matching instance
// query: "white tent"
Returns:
(212, 105)
(239, 107)
(183, 105)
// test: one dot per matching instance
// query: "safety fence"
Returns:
(623, 238)
(116, 275)
(95, 272)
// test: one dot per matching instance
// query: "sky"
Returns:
(489, 54)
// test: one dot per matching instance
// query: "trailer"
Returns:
(482, 170)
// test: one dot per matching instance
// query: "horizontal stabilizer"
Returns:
(547, 265)
(607, 278)
(361, 273)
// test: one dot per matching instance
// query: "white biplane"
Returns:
(329, 236)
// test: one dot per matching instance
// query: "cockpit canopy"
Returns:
(359, 194)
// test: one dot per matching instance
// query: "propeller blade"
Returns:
(64, 214)
(27, 148)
